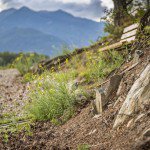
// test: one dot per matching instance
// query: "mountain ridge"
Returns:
(75, 31)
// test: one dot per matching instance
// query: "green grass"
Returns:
(84, 147)
(51, 98)
(12, 124)
(100, 64)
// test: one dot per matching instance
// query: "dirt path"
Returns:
(12, 93)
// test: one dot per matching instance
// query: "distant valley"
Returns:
(45, 32)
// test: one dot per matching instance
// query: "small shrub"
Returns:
(6, 58)
(147, 29)
(50, 98)
(101, 64)
(84, 147)
(25, 61)
(115, 32)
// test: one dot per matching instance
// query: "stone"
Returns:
(100, 101)
(113, 85)
(102, 96)
(137, 55)
(136, 99)
(120, 88)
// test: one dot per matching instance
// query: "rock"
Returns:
(113, 85)
(137, 55)
(119, 89)
(137, 98)
(102, 96)
(80, 97)
(100, 101)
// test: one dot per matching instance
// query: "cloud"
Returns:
(92, 9)
(107, 3)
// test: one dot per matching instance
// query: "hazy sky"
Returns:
(91, 9)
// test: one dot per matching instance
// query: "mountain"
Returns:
(45, 31)
(26, 39)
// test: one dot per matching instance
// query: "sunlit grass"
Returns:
(51, 97)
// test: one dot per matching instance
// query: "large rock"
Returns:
(137, 98)
(100, 101)
(103, 97)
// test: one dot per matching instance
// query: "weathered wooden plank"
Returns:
(133, 26)
(129, 34)
(128, 39)
(111, 46)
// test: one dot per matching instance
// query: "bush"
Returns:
(100, 64)
(84, 147)
(6, 58)
(25, 61)
(51, 99)
(115, 32)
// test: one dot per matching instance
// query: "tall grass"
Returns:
(96, 65)
(101, 64)
(51, 98)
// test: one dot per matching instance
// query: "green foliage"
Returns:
(101, 64)
(24, 62)
(147, 29)
(51, 99)
(29, 77)
(7, 58)
(114, 31)
(84, 147)
(9, 123)
(93, 66)
(15, 128)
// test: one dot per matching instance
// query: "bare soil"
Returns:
(12, 93)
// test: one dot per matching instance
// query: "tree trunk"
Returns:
(120, 11)
(148, 4)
